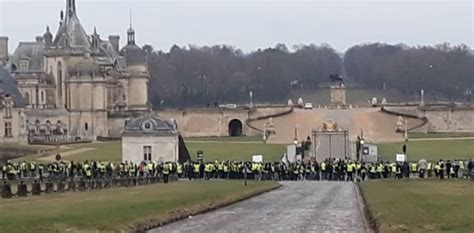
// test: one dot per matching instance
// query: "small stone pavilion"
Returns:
(150, 138)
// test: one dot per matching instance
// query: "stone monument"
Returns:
(338, 90)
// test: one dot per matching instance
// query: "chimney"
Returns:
(39, 39)
(3, 49)
(115, 41)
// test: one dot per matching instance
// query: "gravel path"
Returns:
(296, 207)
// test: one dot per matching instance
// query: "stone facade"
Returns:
(79, 78)
(210, 122)
(150, 138)
(12, 115)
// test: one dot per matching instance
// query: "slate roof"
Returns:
(150, 125)
(31, 51)
(71, 33)
(134, 55)
(8, 86)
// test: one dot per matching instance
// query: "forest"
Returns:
(205, 76)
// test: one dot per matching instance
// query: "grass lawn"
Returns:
(119, 209)
(236, 151)
(421, 206)
(105, 151)
(439, 135)
(241, 148)
(227, 139)
(430, 149)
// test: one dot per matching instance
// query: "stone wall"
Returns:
(206, 122)
(18, 126)
(163, 148)
(442, 119)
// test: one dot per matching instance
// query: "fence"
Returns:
(37, 187)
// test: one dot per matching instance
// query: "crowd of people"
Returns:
(329, 169)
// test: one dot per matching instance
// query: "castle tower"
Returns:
(137, 74)
(66, 50)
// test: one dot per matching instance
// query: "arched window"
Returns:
(60, 79)
(42, 97)
(86, 126)
(27, 98)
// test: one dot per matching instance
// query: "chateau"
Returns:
(71, 86)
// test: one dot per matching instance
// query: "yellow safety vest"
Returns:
(166, 169)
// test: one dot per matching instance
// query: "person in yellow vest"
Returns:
(429, 169)
(87, 170)
(32, 168)
(461, 169)
(413, 169)
(133, 169)
(166, 172)
(179, 170)
(393, 170)
(358, 169)
(220, 170)
(380, 168)
(196, 171)
(209, 169)
(23, 169)
(254, 169)
(323, 170)
(101, 167)
(373, 171)
(296, 170)
(227, 168)
(350, 167)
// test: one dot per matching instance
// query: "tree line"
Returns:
(205, 76)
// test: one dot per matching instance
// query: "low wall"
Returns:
(440, 119)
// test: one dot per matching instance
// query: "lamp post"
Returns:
(359, 144)
(296, 134)
(405, 136)
(251, 98)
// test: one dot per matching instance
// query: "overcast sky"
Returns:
(252, 24)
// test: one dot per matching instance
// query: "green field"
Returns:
(439, 135)
(226, 139)
(241, 148)
(421, 206)
(119, 209)
(430, 149)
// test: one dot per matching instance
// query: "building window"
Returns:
(86, 126)
(42, 97)
(147, 153)
(60, 79)
(24, 66)
(27, 97)
(8, 129)
(8, 109)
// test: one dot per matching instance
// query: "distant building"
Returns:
(77, 85)
(150, 138)
(12, 117)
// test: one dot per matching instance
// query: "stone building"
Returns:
(150, 138)
(12, 116)
(76, 84)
